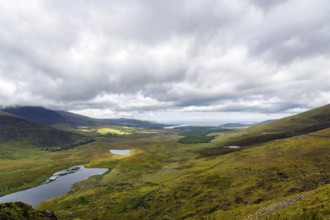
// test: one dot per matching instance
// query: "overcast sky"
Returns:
(175, 61)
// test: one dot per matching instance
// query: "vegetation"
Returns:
(195, 135)
(165, 178)
(17, 129)
(66, 120)
(107, 131)
(304, 123)
(37, 114)
(21, 211)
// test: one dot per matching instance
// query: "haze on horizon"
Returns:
(196, 62)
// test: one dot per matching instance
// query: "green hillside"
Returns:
(66, 120)
(80, 120)
(37, 114)
(19, 210)
(16, 129)
(300, 124)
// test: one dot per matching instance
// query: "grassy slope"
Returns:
(167, 180)
(306, 122)
(20, 211)
(15, 129)
(80, 120)
(37, 114)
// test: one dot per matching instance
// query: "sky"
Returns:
(187, 61)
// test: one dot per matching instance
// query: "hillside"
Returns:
(37, 114)
(313, 120)
(19, 210)
(16, 129)
(300, 124)
(59, 119)
(286, 178)
(80, 120)
(168, 180)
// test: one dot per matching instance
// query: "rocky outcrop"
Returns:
(22, 211)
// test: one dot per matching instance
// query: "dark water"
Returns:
(56, 185)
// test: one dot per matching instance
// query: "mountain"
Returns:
(16, 129)
(313, 120)
(303, 123)
(234, 125)
(54, 118)
(80, 120)
(37, 114)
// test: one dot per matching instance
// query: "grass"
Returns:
(195, 135)
(166, 179)
(313, 204)
(14, 129)
(21, 211)
(107, 131)
(169, 180)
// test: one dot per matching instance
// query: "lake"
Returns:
(56, 185)
(120, 152)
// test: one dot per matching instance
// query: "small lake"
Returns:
(233, 147)
(120, 152)
(176, 126)
(56, 185)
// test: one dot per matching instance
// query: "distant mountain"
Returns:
(37, 114)
(263, 122)
(76, 120)
(17, 129)
(80, 120)
(133, 123)
(234, 125)
(54, 118)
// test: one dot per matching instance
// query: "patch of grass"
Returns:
(195, 135)
(105, 131)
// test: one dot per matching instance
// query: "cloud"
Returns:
(129, 57)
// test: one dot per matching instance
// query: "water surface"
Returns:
(233, 147)
(120, 152)
(56, 185)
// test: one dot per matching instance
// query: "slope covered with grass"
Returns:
(37, 114)
(21, 211)
(300, 124)
(16, 129)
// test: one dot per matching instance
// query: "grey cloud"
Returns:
(269, 4)
(259, 56)
(297, 30)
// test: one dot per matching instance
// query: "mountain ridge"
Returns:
(54, 118)
(17, 129)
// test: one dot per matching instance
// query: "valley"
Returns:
(164, 178)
